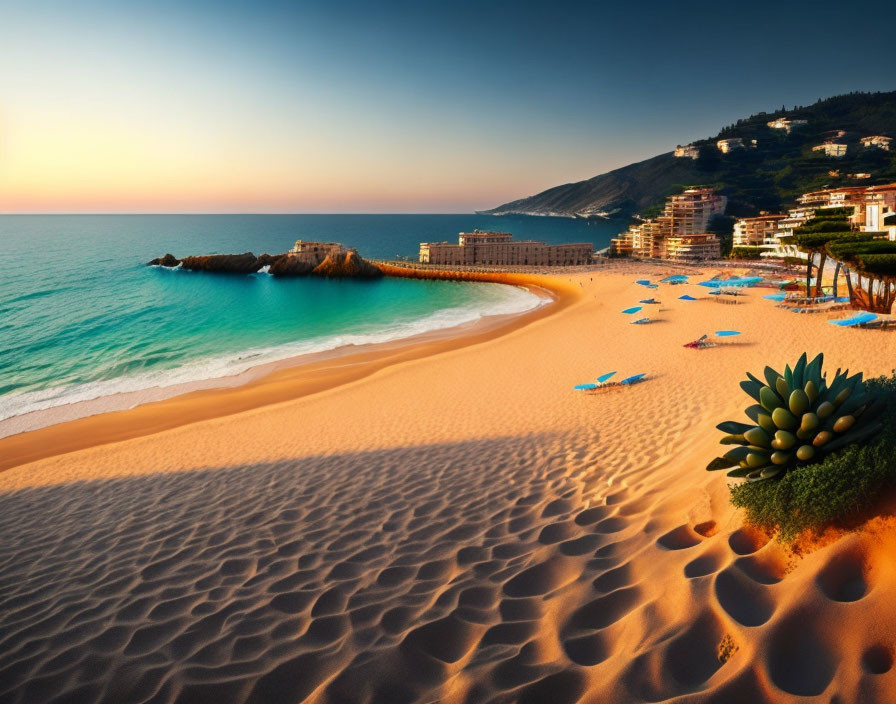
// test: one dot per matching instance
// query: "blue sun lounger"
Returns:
(860, 319)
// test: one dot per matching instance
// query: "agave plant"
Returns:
(798, 419)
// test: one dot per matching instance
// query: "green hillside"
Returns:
(768, 177)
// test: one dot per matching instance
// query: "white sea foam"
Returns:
(508, 300)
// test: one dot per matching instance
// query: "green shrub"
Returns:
(838, 490)
(746, 252)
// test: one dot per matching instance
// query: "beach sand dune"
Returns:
(457, 528)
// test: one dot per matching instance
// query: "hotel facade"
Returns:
(480, 248)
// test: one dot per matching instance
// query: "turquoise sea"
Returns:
(81, 316)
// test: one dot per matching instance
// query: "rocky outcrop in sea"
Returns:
(338, 263)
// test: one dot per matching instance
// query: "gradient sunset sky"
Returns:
(389, 106)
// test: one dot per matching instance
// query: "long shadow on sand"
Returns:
(370, 576)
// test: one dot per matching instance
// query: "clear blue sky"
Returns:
(389, 106)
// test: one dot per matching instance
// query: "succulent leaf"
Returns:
(825, 410)
(782, 387)
(811, 391)
(733, 427)
(769, 399)
(720, 463)
(752, 388)
(757, 436)
(784, 440)
(784, 419)
(805, 453)
(798, 402)
(844, 423)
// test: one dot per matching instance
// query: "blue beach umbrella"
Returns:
(775, 296)
(643, 282)
(584, 387)
(603, 377)
(727, 333)
(686, 297)
(632, 311)
(632, 379)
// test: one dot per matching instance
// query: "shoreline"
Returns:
(150, 411)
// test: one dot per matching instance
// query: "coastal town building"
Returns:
(687, 152)
(869, 203)
(313, 252)
(758, 231)
(696, 247)
(783, 123)
(729, 145)
(499, 249)
(845, 196)
(880, 210)
(680, 233)
(833, 149)
(877, 141)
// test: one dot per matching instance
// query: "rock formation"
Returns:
(338, 263)
(227, 263)
(168, 260)
(286, 265)
(346, 262)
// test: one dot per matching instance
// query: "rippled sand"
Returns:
(459, 528)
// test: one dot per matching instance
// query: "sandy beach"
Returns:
(444, 522)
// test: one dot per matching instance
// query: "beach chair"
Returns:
(641, 321)
(650, 301)
(860, 319)
(701, 343)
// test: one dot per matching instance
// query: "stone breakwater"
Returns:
(513, 278)
(336, 264)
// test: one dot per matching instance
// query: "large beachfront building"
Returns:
(499, 249)
(680, 233)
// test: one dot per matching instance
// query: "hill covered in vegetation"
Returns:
(768, 176)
